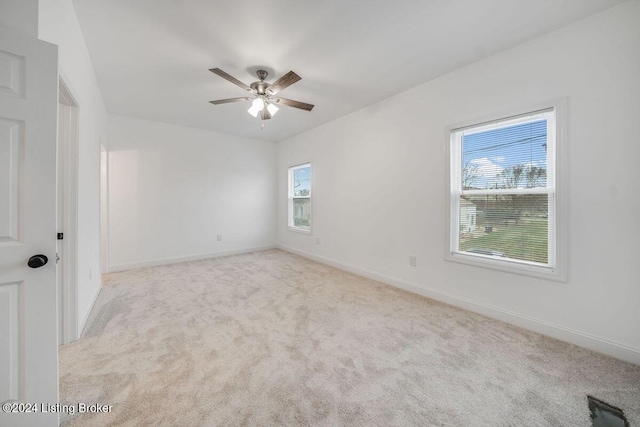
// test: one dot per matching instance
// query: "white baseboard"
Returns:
(164, 261)
(582, 339)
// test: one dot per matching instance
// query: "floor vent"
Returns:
(605, 415)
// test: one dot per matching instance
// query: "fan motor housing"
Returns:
(260, 87)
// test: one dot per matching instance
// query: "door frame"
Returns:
(69, 261)
(104, 208)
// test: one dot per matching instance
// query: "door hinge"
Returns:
(60, 236)
(57, 257)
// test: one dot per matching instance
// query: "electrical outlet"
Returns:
(412, 261)
(219, 237)
(317, 240)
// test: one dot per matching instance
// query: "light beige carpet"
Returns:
(270, 338)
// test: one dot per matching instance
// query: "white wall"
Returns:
(59, 25)
(379, 194)
(173, 189)
(20, 15)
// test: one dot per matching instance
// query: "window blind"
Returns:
(503, 189)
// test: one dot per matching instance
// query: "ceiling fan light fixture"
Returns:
(253, 111)
(258, 103)
(272, 109)
(256, 106)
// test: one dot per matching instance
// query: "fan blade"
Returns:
(226, 101)
(265, 114)
(232, 79)
(294, 104)
(283, 82)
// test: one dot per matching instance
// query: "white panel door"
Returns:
(28, 320)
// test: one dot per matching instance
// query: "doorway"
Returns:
(67, 214)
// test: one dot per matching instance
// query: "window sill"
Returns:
(299, 230)
(514, 267)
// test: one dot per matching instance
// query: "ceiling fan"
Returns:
(263, 94)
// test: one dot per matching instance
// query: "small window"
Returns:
(300, 198)
(503, 193)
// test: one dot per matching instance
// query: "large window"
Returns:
(503, 193)
(300, 198)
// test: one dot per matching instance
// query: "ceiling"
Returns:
(151, 57)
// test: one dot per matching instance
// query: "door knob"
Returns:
(37, 261)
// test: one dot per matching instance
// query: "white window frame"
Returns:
(556, 186)
(291, 198)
